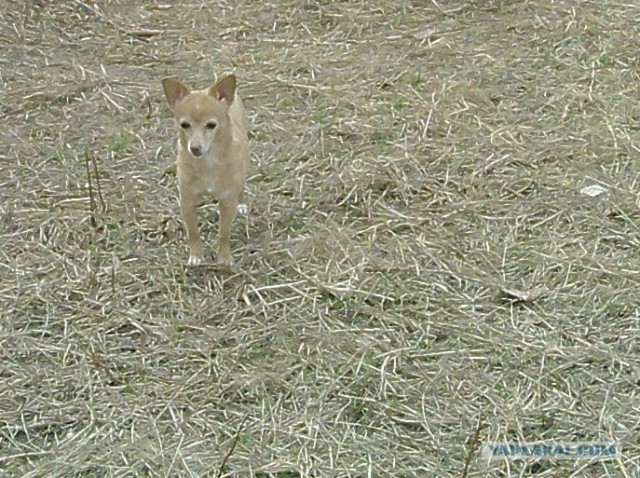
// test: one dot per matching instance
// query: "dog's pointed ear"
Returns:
(225, 89)
(174, 91)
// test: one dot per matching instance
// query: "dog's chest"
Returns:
(209, 177)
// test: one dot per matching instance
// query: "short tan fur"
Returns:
(213, 157)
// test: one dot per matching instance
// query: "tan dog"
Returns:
(213, 157)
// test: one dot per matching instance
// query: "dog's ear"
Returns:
(225, 89)
(174, 91)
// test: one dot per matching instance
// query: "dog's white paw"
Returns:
(225, 261)
(243, 209)
(194, 261)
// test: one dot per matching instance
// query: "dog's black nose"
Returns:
(196, 150)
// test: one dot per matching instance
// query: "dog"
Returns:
(213, 157)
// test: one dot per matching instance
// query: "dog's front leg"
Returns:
(188, 209)
(228, 210)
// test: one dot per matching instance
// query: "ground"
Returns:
(422, 271)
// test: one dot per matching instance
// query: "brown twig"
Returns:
(97, 178)
(231, 448)
(92, 200)
(472, 447)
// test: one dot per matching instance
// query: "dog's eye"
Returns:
(211, 125)
(185, 125)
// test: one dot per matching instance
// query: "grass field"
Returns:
(421, 272)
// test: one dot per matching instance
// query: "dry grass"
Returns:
(417, 167)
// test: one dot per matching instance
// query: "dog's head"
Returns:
(202, 116)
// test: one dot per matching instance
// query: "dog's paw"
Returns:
(195, 261)
(224, 258)
(243, 209)
(225, 261)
